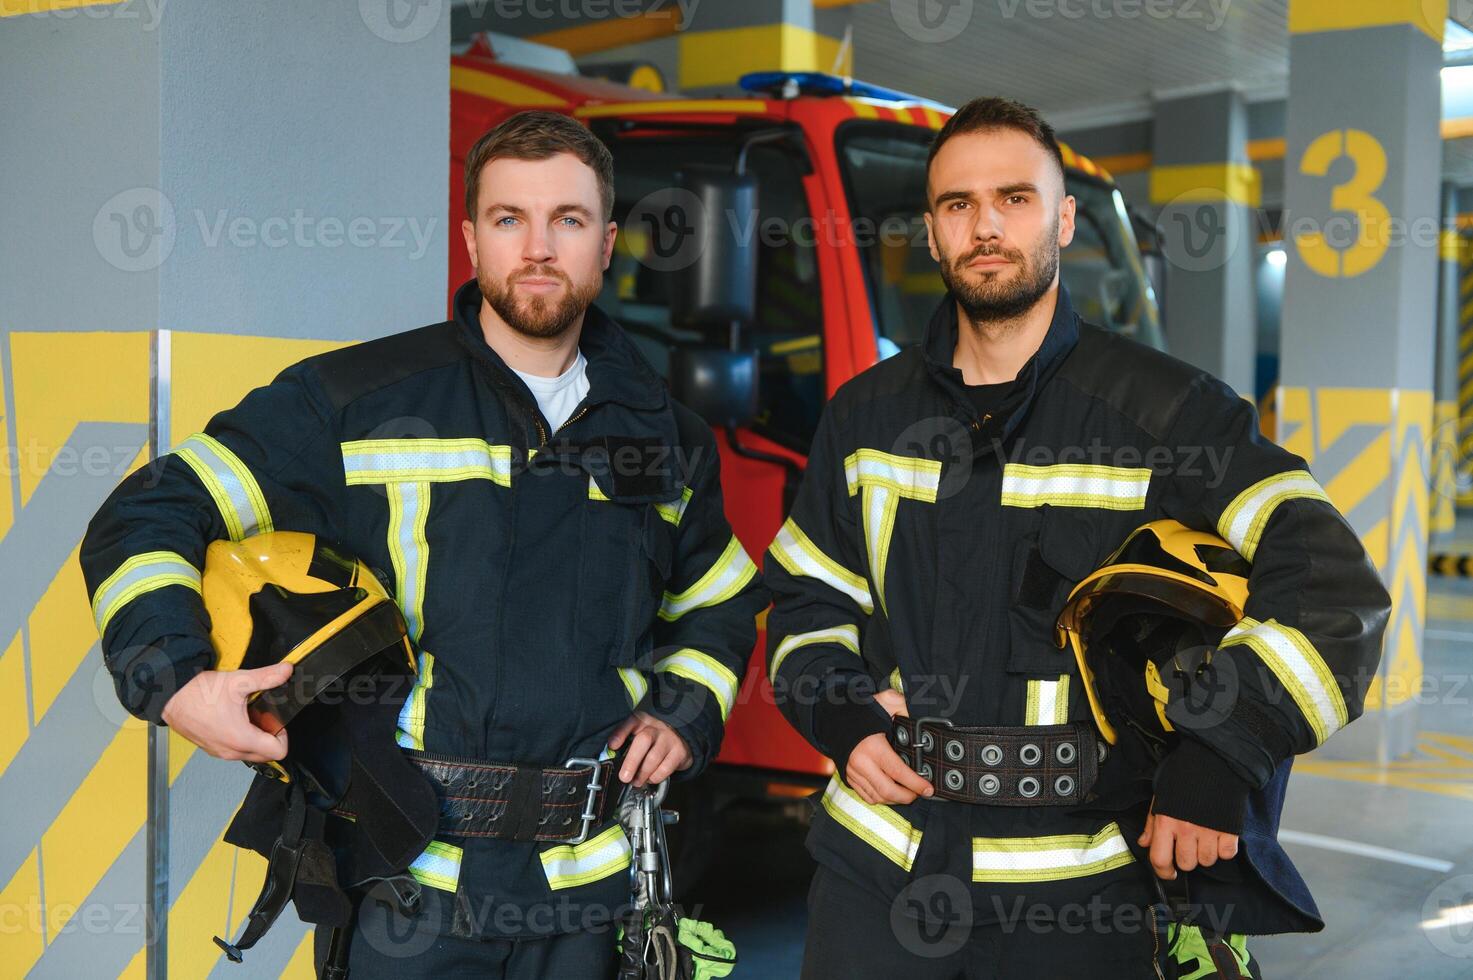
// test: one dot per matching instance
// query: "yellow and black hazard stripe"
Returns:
(1450, 566)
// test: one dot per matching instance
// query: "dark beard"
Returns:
(536, 317)
(985, 302)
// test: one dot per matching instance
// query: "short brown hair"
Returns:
(991, 113)
(537, 135)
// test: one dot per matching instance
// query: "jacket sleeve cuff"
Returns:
(1194, 784)
(147, 680)
(848, 716)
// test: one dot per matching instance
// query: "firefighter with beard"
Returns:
(549, 522)
(977, 823)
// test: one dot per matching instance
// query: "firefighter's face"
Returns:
(539, 243)
(997, 218)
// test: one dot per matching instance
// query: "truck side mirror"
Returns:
(719, 289)
(718, 385)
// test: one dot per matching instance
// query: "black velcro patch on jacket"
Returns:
(1036, 588)
(637, 467)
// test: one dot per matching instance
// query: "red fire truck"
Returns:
(821, 271)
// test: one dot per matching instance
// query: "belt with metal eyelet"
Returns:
(1031, 765)
(517, 802)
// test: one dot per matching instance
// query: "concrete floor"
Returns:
(1385, 849)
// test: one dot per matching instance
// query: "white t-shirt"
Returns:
(557, 397)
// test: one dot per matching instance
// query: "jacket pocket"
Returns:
(1046, 565)
(647, 569)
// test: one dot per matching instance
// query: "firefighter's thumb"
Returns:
(262, 678)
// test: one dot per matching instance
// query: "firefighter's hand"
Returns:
(655, 750)
(892, 701)
(879, 775)
(210, 711)
(1176, 844)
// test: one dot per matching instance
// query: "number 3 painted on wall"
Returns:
(1355, 195)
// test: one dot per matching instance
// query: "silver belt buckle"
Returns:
(918, 747)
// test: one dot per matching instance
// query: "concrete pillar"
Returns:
(1362, 177)
(1207, 192)
(195, 195)
(1442, 506)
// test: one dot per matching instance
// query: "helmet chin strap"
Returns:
(344, 758)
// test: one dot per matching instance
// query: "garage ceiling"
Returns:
(1076, 65)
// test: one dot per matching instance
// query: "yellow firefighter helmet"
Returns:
(287, 596)
(1167, 590)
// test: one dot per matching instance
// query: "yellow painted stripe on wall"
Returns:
(200, 912)
(720, 57)
(1226, 181)
(62, 379)
(14, 8)
(7, 510)
(1337, 409)
(1359, 478)
(13, 727)
(22, 941)
(1310, 16)
(215, 371)
(1292, 408)
(1269, 148)
(299, 967)
(1449, 245)
(99, 820)
(60, 639)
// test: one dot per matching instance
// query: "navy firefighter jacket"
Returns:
(931, 548)
(548, 589)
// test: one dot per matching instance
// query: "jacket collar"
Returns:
(617, 371)
(939, 348)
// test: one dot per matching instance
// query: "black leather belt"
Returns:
(513, 802)
(1033, 765)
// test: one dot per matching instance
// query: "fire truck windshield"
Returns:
(884, 167)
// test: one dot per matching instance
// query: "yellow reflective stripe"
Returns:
(1075, 485)
(438, 866)
(1242, 523)
(705, 670)
(883, 479)
(727, 576)
(877, 825)
(235, 491)
(570, 865)
(411, 723)
(795, 552)
(140, 574)
(635, 683)
(847, 636)
(409, 549)
(1299, 667)
(675, 510)
(1021, 859)
(388, 461)
(896, 683)
(908, 476)
(880, 504)
(1048, 702)
(672, 512)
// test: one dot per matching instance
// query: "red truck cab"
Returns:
(843, 277)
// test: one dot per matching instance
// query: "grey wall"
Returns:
(271, 168)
